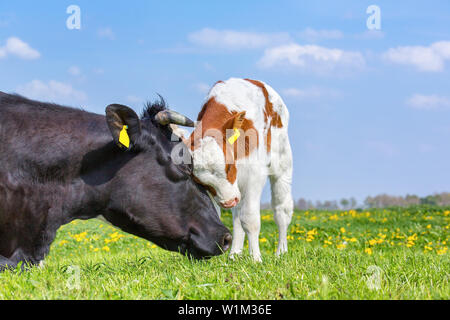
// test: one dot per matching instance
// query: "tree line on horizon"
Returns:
(378, 201)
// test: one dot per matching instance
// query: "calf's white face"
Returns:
(211, 169)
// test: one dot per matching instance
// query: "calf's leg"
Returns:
(283, 207)
(249, 211)
(238, 234)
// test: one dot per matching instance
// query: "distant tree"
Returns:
(302, 204)
(330, 205)
(378, 201)
(431, 200)
(444, 199)
(353, 203)
(319, 205)
(369, 202)
(412, 199)
(344, 203)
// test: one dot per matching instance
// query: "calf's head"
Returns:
(214, 155)
(151, 196)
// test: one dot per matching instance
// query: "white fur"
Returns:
(252, 171)
(209, 168)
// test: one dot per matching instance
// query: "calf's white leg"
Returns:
(251, 223)
(238, 234)
(249, 209)
(283, 207)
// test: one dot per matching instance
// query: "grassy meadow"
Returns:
(393, 253)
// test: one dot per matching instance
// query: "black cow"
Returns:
(58, 164)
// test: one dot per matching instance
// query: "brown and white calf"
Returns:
(241, 139)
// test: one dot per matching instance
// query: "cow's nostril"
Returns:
(226, 241)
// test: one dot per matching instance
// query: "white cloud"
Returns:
(428, 102)
(425, 148)
(316, 58)
(134, 99)
(431, 58)
(106, 33)
(74, 71)
(98, 71)
(370, 35)
(52, 91)
(313, 35)
(234, 40)
(16, 47)
(6, 19)
(208, 66)
(311, 93)
(384, 148)
(202, 87)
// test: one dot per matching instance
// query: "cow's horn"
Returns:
(168, 116)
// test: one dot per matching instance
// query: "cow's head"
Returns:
(214, 155)
(151, 196)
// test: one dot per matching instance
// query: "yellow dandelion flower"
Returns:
(106, 248)
(80, 237)
(334, 217)
(369, 251)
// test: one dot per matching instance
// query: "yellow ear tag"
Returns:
(235, 136)
(124, 138)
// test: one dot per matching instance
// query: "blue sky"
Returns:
(370, 110)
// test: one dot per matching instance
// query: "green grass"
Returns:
(332, 255)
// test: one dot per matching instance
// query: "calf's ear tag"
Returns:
(124, 139)
(235, 136)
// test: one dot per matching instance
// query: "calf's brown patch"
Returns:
(268, 113)
(215, 115)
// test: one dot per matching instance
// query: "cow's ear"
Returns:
(235, 122)
(124, 125)
(239, 120)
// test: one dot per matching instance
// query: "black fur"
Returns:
(58, 164)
